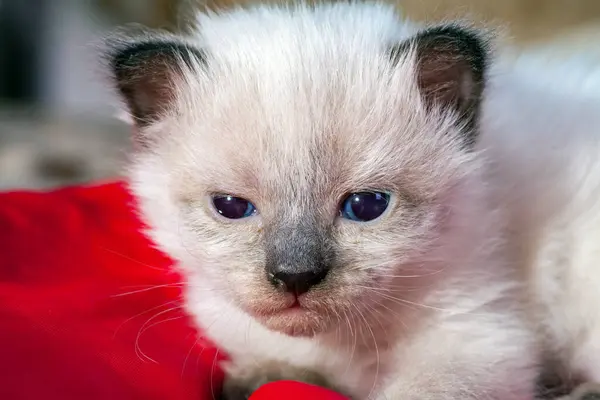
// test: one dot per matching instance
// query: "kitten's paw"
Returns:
(243, 380)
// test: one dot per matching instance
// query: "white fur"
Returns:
(524, 207)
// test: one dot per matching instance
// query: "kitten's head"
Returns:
(307, 165)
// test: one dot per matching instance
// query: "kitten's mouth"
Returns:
(295, 304)
(294, 318)
(291, 304)
(295, 309)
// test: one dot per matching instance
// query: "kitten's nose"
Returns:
(298, 282)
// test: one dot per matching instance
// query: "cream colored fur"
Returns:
(446, 295)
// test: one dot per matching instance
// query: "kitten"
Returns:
(322, 175)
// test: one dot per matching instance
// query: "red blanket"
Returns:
(90, 310)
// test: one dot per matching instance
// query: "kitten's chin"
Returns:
(296, 322)
(290, 317)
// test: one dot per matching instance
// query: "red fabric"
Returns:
(90, 310)
(294, 391)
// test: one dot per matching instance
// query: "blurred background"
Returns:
(58, 120)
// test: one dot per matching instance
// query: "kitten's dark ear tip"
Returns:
(122, 38)
(129, 60)
(457, 43)
(144, 65)
(451, 64)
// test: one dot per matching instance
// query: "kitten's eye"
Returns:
(364, 206)
(232, 207)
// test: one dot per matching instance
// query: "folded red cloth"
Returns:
(290, 390)
(89, 309)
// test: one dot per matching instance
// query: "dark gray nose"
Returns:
(297, 282)
(298, 254)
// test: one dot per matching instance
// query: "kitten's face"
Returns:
(291, 145)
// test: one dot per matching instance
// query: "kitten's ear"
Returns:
(145, 71)
(451, 64)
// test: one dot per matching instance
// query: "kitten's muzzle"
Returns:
(298, 255)
(297, 282)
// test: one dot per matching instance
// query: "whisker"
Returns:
(354, 336)
(149, 288)
(423, 275)
(138, 349)
(394, 312)
(212, 373)
(372, 312)
(187, 356)
(445, 310)
(376, 349)
(142, 313)
(134, 260)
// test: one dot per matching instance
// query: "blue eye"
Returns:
(232, 207)
(364, 206)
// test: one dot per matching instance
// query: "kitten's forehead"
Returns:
(288, 119)
(318, 133)
(313, 60)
